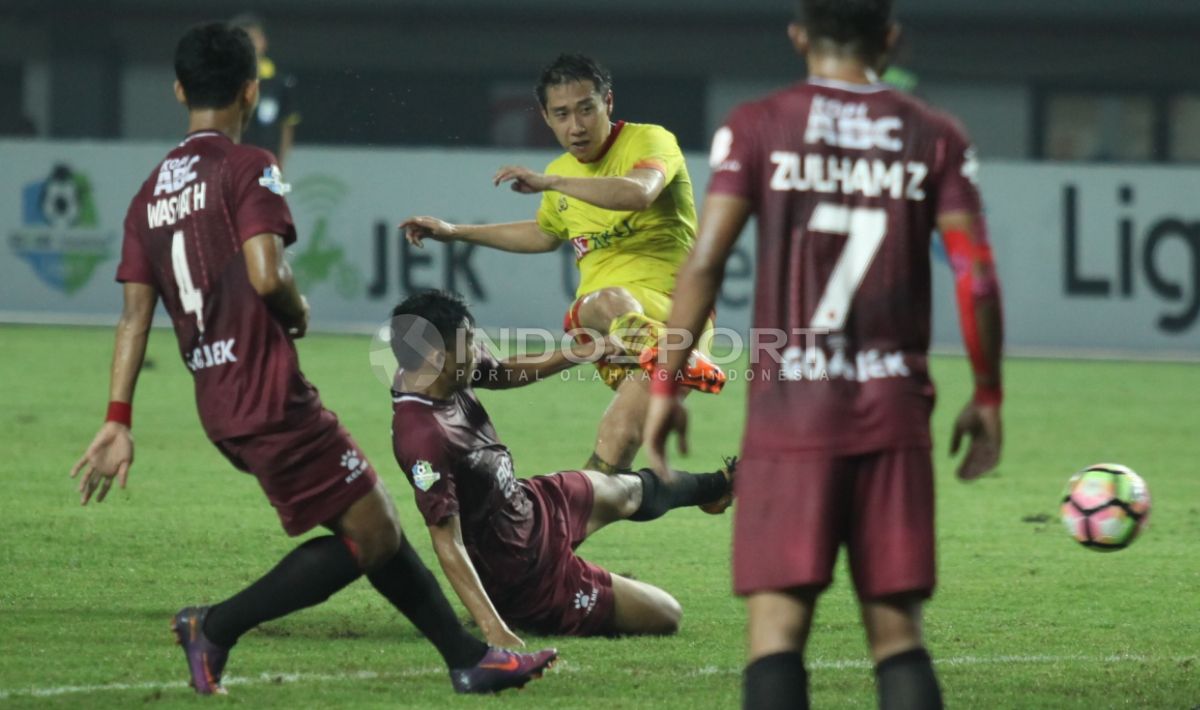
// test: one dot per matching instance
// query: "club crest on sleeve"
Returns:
(423, 475)
(272, 179)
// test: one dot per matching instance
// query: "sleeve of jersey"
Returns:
(656, 149)
(733, 157)
(958, 174)
(548, 219)
(429, 467)
(135, 265)
(258, 201)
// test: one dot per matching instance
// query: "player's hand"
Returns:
(503, 637)
(523, 180)
(664, 415)
(417, 229)
(297, 330)
(981, 422)
(108, 457)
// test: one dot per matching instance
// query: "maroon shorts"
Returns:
(311, 474)
(562, 594)
(793, 513)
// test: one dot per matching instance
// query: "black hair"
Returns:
(573, 67)
(860, 26)
(444, 310)
(213, 61)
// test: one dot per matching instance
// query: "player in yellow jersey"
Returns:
(622, 196)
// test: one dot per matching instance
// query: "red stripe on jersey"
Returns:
(651, 164)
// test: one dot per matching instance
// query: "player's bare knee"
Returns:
(627, 496)
(378, 545)
(375, 530)
(598, 308)
(670, 616)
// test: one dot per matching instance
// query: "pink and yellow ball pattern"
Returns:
(1106, 506)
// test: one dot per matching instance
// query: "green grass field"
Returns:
(1023, 617)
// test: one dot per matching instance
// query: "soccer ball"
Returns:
(1105, 506)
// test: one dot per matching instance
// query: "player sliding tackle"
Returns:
(622, 196)
(848, 180)
(507, 545)
(206, 233)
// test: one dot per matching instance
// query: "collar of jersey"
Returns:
(612, 138)
(205, 133)
(848, 86)
(398, 397)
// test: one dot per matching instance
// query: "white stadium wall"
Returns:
(1094, 260)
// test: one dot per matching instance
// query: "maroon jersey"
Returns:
(846, 182)
(454, 460)
(183, 235)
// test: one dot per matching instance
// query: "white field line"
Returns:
(564, 667)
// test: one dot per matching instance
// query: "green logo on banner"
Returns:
(321, 258)
(61, 237)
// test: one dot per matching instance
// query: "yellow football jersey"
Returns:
(625, 248)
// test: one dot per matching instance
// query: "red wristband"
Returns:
(662, 383)
(120, 412)
(990, 396)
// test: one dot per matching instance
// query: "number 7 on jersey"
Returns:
(864, 228)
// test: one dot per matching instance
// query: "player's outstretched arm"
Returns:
(452, 555)
(271, 276)
(519, 237)
(977, 289)
(527, 368)
(635, 190)
(696, 288)
(110, 454)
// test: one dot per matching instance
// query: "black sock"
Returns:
(307, 576)
(687, 489)
(776, 682)
(409, 585)
(906, 681)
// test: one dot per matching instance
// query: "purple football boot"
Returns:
(206, 660)
(500, 669)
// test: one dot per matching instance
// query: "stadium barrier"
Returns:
(1095, 260)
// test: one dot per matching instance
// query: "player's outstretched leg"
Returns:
(307, 576)
(778, 624)
(620, 433)
(642, 496)
(617, 312)
(904, 673)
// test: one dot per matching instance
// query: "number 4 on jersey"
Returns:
(190, 298)
(864, 228)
